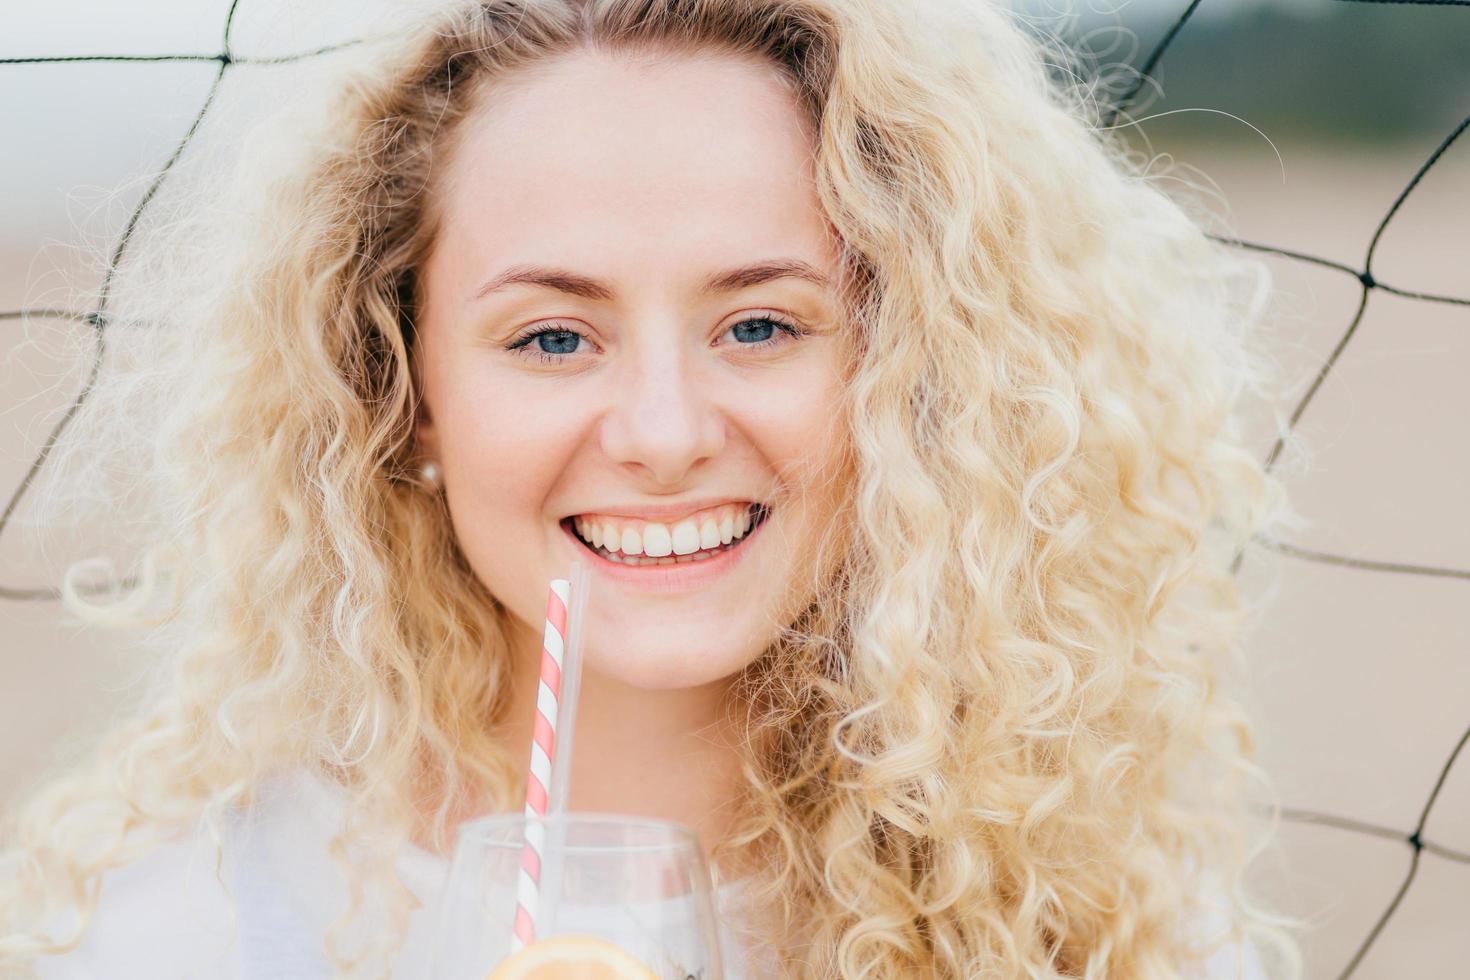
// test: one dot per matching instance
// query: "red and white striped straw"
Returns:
(543, 755)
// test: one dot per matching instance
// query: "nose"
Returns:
(664, 419)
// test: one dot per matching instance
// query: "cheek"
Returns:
(504, 453)
(804, 433)
(502, 463)
(808, 445)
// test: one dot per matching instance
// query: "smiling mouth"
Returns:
(758, 515)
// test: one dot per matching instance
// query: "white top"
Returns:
(169, 916)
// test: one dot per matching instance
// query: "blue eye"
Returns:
(552, 343)
(761, 330)
(562, 341)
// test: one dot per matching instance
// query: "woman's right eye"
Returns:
(548, 344)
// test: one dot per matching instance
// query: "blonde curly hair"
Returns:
(999, 738)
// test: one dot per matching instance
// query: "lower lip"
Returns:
(679, 577)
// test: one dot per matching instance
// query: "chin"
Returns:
(665, 669)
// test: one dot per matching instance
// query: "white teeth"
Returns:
(709, 534)
(656, 543)
(659, 541)
(686, 538)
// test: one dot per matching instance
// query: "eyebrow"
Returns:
(728, 281)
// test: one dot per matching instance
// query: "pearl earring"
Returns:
(429, 472)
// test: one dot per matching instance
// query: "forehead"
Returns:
(595, 156)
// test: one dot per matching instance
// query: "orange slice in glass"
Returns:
(571, 958)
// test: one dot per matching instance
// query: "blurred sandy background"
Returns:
(1362, 677)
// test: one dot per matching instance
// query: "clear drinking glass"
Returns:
(641, 884)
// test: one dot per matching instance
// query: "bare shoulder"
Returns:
(166, 915)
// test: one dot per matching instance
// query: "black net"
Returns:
(1133, 94)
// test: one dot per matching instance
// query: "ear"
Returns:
(425, 435)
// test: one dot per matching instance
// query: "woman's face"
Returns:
(623, 248)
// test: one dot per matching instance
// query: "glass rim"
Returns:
(681, 834)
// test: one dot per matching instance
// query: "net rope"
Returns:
(1369, 284)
